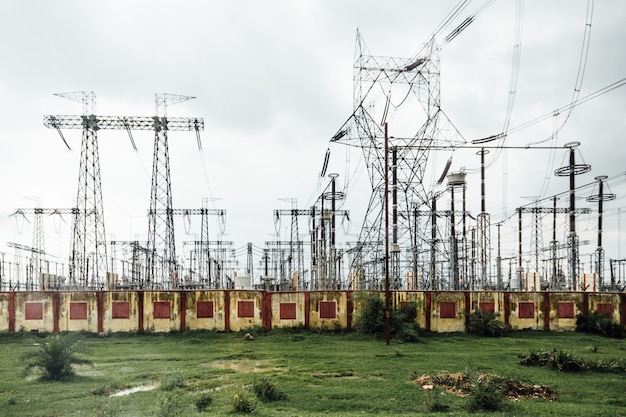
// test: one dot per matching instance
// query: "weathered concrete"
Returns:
(231, 310)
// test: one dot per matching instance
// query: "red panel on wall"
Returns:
(120, 310)
(526, 310)
(78, 311)
(605, 308)
(565, 310)
(328, 309)
(245, 309)
(162, 310)
(287, 311)
(487, 306)
(447, 310)
(204, 309)
(33, 311)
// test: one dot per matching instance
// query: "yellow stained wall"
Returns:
(130, 324)
(612, 298)
(72, 325)
(46, 324)
(192, 322)
(564, 324)
(456, 324)
(497, 298)
(239, 323)
(517, 323)
(288, 297)
(152, 324)
(4, 312)
(341, 315)
(418, 297)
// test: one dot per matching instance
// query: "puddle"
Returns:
(133, 390)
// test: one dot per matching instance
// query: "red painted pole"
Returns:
(387, 293)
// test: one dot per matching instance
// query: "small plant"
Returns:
(372, 320)
(554, 359)
(486, 395)
(433, 401)
(172, 381)
(242, 401)
(203, 401)
(485, 324)
(56, 356)
(167, 405)
(266, 390)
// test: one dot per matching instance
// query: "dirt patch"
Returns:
(461, 384)
(244, 366)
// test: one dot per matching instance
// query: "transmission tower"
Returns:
(202, 246)
(600, 198)
(419, 75)
(161, 243)
(88, 254)
(571, 171)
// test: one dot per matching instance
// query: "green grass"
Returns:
(320, 374)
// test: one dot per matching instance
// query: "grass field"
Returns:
(321, 374)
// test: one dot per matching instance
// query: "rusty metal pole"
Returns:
(387, 293)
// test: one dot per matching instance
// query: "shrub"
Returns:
(266, 390)
(433, 401)
(601, 324)
(485, 324)
(56, 356)
(203, 401)
(172, 381)
(167, 405)
(486, 395)
(242, 401)
(371, 320)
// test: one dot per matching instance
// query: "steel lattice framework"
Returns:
(88, 255)
(161, 242)
(365, 129)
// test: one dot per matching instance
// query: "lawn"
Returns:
(320, 374)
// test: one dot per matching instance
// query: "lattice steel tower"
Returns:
(161, 244)
(365, 128)
(88, 255)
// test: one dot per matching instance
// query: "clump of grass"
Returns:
(203, 401)
(267, 390)
(172, 381)
(56, 356)
(560, 360)
(167, 405)
(433, 401)
(243, 401)
(486, 395)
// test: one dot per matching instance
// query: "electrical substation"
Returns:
(425, 225)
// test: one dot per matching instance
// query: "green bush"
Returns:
(371, 320)
(56, 356)
(485, 324)
(167, 405)
(242, 401)
(486, 395)
(203, 401)
(600, 324)
(172, 381)
(266, 390)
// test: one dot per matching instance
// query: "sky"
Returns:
(273, 81)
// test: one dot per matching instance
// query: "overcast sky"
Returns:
(273, 81)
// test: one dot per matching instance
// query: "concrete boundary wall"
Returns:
(236, 310)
